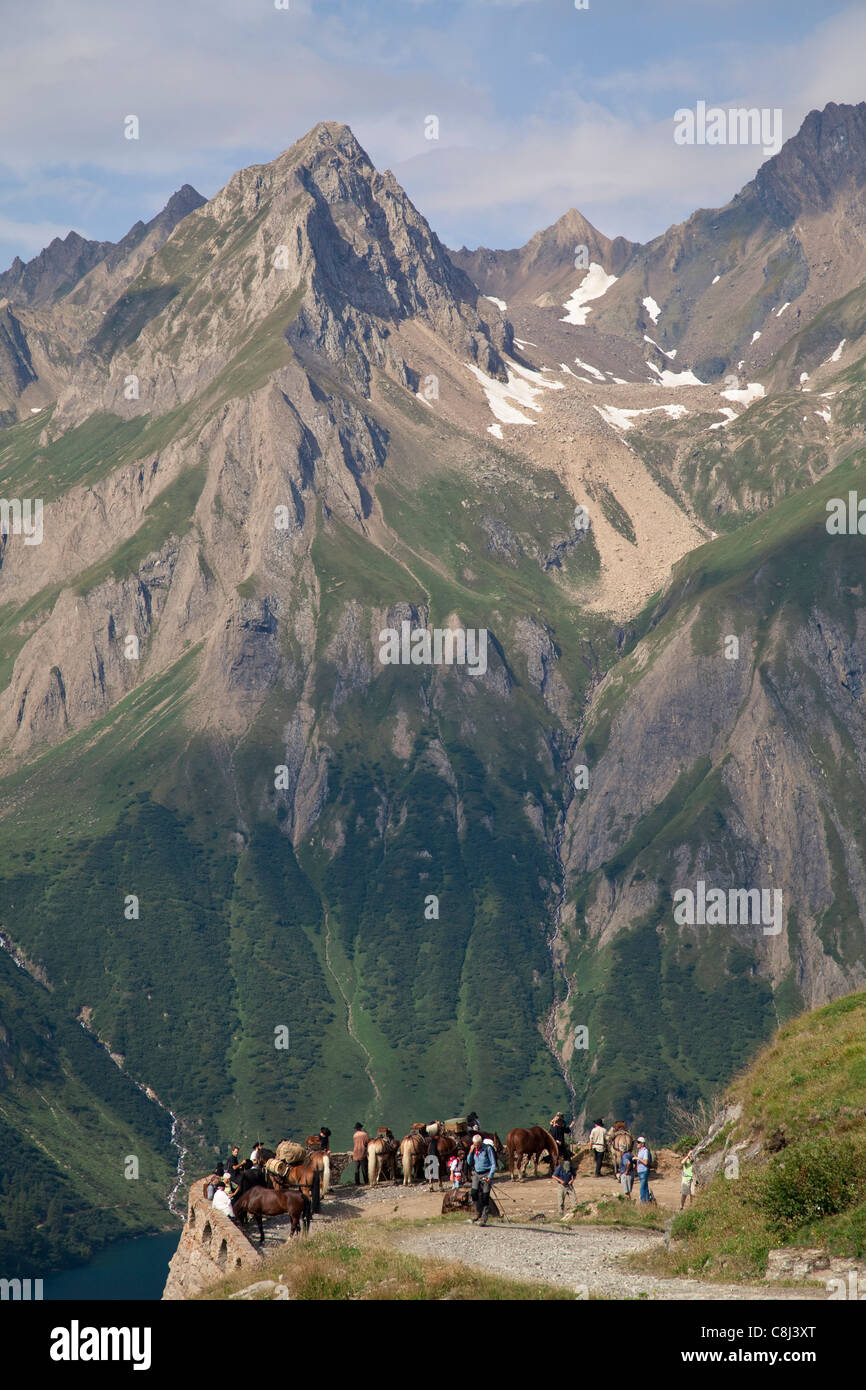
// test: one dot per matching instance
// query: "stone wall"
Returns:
(210, 1247)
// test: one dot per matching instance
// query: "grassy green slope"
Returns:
(803, 1106)
(71, 1123)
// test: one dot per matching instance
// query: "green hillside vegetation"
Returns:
(700, 1011)
(804, 1104)
(71, 1120)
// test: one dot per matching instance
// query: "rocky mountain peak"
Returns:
(827, 154)
(56, 268)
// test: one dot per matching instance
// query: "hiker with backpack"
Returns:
(644, 1159)
(482, 1161)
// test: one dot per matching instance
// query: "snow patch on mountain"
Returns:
(592, 370)
(648, 339)
(595, 283)
(519, 388)
(622, 419)
(672, 379)
(729, 416)
(746, 394)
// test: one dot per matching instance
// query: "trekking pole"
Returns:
(501, 1208)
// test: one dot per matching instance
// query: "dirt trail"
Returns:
(584, 1257)
(590, 1260)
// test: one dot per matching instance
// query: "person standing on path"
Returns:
(596, 1139)
(560, 1131)
(687, 1187)
(565, 1182)
(626, 1173)
(483, 1161)
(431, 1163)
(643, 1167)
(455, 1168)
(360, 1140)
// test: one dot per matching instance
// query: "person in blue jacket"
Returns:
(482, 1160)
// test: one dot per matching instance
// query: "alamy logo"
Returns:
(716, 907)
(733, 125)
(23, 1290)
(837, 1288)
(76, 1343)
(846, 519)
(439, 646)
(26, 518)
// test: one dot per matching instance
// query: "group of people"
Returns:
(478, 1164)
(630, 1164)
(237, 1173)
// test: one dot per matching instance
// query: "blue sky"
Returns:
(541, 106)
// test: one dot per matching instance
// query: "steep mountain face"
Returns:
(319, 841)
(311, 881)
(44, 350)
(54, 271)
(724, 291)
(92, 1155)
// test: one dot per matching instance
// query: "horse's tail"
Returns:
(372, 1175)
(315, 1188)
(326, 1173)
(552, 1149)
(307, 1213)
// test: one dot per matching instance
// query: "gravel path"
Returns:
(589, 1259)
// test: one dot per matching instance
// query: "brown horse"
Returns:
(306, 1177)
(525, 1144)
(268, 1201)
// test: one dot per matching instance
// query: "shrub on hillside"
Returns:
(810, 1181)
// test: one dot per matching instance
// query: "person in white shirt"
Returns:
(596, 1139)
(222, 1202)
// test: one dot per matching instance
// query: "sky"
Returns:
(541, 106)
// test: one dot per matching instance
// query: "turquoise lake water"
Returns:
(128, 1269)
